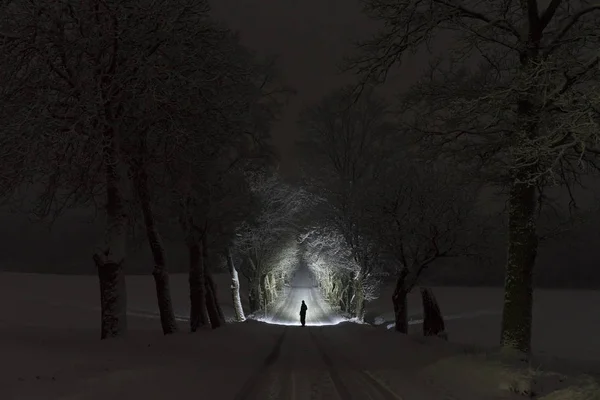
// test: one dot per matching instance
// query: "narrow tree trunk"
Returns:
(433, 321)
(214, 290)
(399, 300)
(359, 298)
(198, 312)
(113, 296)
(253, 296)
(215, 313)
(211, 306)
(264, 297)
(518, 287)
(160, 272)
(235, 288)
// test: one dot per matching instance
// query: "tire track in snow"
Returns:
(341, 386)
(252, 389)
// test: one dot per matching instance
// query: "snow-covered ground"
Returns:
(564, 323)
(49, 347)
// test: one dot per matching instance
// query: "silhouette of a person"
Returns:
(303, 309)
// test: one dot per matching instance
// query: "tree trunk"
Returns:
(399, 300)
(433, 321)
(113, 293)
(235, 288)
(359, 298)
(211, 305)
(518, 287)
(215, 313)
(113, 296)
(263, 291)
(160, 272)
(213, 288)
(253, 296)
(198, 312)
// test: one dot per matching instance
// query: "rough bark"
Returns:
(433, 321)
(522, 235)
(198, 312)
(113, 295)
(235, 288)
(399, 300)
(518, 287)
(160, 272)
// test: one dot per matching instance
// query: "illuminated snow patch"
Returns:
(334, 321)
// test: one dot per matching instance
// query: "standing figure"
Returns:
(303, 309)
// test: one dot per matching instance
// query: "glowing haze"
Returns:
(287, 311)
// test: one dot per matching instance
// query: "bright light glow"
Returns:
(334, 321)
(287, 310)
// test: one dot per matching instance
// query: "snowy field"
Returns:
(564, 321)
(50, 348)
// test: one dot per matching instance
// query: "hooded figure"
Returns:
(303, 309)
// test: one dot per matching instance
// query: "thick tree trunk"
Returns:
(518, 287)
(235, 288)
(399, 300)
(113, 298)
(198, 312)
(163, 296)
(433, 321)
(160, 272)
(113, 294)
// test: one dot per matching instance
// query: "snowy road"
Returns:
(305, 365)
(317, 361)
(287, 311)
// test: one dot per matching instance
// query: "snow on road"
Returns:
(49, 349)
(323, 361)
(287, 311)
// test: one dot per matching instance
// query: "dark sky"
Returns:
(310, 37)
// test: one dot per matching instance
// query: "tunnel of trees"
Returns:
(158, 113)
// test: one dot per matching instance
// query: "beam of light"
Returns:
(287, 310)
(333, 321)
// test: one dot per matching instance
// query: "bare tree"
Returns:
(267, 241)
(421, 212)
(107, 80)
(332, 262)
(521, 104)
(344, 145)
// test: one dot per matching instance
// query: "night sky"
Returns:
(310, 37)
